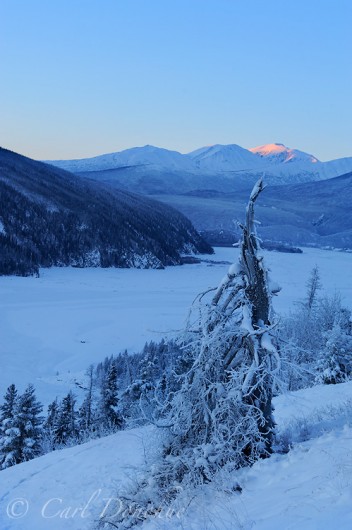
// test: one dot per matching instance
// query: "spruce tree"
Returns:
(313, 286)
(86, 409)
(51, 420)
(8, 433)
(110, 417)
(49, 437)
(334, 363)
(66, 429)
(25, 432)
(30, 423)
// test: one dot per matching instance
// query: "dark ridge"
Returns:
(49, 217)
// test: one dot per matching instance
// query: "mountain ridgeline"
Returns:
(307, 201)
(49, 217)
(218, 167)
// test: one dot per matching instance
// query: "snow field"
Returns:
(54, 326)
(309, 488)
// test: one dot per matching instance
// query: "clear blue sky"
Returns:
(85, 77)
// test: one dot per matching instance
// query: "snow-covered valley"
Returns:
(54, 326)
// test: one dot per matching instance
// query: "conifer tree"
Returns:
(30, 422)
(335, 360)
(86, 409)
(110, 417)
(49, 441)
(313, 286)
(66, 429)
(7, 430)
(51, 420)
(25, 432)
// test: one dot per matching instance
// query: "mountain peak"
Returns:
(148, 155)
(218, 157)
(280, 153)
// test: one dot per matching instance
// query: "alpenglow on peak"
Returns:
(280, 153)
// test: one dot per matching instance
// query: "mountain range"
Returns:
(307, 201)
(212, 167)
(51, 217)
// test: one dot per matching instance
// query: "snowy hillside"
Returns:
(334, 168)
(309, 488)
(309, 214)
(51, 217)
(54, 326)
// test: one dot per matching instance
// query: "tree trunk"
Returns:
(259, 298)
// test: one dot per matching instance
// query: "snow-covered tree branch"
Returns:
(220, 417)
(223, 411)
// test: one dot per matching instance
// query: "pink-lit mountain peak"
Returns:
(281, 154)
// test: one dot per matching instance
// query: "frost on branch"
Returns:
(222, 414)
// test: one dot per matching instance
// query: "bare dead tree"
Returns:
(221, 416)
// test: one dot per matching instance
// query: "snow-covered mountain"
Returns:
(221, 158)
(153, 157)
(293, 166)
(280, 154)
(204, 167)
(209, 186)
(335, 168)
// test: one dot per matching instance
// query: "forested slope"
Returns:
(51, 217)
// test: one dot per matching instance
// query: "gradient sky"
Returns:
(86, 77)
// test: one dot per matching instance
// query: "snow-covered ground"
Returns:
(310, 488)
(53, 327)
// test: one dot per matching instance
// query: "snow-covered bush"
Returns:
(316, 339)
(334, 363)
